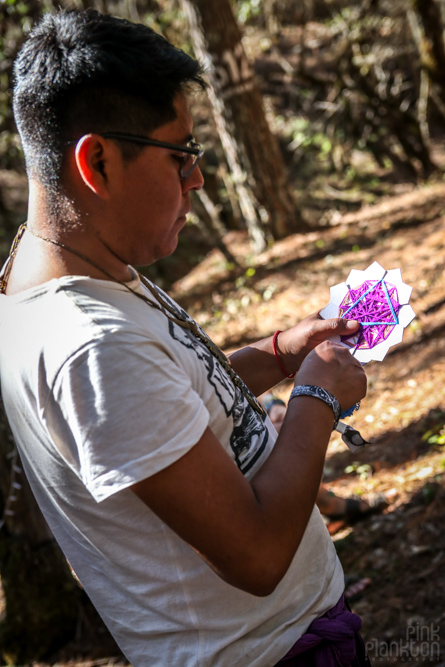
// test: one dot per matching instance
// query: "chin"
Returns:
(150, 255)
(165, 250)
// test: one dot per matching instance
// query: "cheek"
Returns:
(166, 195)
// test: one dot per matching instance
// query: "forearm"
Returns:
(248, 532)
(261, 369)
(286, 486)
(257, 366)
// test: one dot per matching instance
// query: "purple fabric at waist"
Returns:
(333, 635)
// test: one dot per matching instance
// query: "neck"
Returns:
(71, 244)
(79, 255)
(48, 215)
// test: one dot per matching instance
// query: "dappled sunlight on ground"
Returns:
(401, 550)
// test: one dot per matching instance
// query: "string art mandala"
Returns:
(375, 305)
(378, 299)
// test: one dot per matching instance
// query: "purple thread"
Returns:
(375, 304)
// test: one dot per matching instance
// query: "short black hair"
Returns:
(81, 72)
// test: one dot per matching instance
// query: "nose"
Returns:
(194, 181)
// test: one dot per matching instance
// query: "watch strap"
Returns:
(320, 393)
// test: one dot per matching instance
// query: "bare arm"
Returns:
(248, 532)
(256, 363)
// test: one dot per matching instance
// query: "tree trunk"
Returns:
(270, 17)
(432, 49)
(238, 101)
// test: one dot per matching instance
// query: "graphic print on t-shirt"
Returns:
(250, 435)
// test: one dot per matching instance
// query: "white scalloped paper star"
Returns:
(388, 325)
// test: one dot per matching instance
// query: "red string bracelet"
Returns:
(277, 357)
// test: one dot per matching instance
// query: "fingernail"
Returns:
(351, 324)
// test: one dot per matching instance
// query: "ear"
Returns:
(93, 163)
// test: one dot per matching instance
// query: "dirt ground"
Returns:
(401, 550)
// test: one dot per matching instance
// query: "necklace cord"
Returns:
(7, 267)
(160, 304)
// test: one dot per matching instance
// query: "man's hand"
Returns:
(257, 365)
(296, 343)
(332, 367)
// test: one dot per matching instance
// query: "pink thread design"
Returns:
(375, 304)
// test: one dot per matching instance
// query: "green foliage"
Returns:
(436, 434)
(362, 470)
(269, 292)
(244, 279)
(438, 438)
(247, 10)
(429, 492)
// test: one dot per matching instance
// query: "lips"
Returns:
(183, 217)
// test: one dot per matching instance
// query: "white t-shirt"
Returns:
(102, 391)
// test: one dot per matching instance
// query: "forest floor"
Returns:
(401, 550)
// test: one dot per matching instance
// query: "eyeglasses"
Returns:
(193, 151)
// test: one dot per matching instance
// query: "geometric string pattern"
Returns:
(375, 304)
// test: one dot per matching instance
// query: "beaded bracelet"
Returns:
(322, 394)
(277, 357)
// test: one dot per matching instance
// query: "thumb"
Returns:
(337, 326)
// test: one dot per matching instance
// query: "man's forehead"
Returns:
(183, 110)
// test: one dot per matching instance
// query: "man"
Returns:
(191, 529)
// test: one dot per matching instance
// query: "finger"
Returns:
(333, 327)
(345, 351)
(342, 327)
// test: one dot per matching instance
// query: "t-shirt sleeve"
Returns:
(121, 411)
